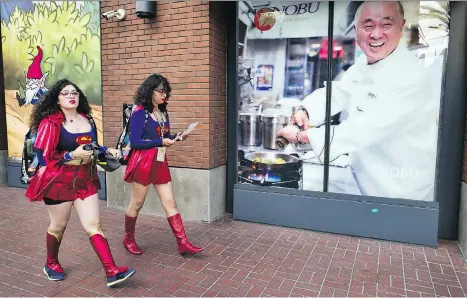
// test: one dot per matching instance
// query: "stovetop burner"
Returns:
(264, 177)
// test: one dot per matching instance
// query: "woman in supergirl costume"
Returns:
(148, 163)
(66, 177)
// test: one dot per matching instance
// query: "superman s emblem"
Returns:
(83, 140)
(166, 130)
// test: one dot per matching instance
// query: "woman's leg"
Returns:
(59, 215)
(138, 196)
(166, 196)
(88, 212)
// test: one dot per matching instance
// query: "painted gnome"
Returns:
(35, 82)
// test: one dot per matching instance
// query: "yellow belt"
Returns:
(77, 162)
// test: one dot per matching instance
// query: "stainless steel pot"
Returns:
(250, 129)
(272, 123)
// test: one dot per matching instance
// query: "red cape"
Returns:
(48, 136)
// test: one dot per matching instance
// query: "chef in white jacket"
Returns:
(390, 131)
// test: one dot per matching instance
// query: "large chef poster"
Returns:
(42, 42)
(388, 64)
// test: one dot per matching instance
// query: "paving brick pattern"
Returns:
(240, 259)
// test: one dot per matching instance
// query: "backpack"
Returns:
(29, 160)
(123, 143)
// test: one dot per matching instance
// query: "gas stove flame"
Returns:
(272, 177)
(256, 177)
(269, 177)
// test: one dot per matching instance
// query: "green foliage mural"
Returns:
(69, 37)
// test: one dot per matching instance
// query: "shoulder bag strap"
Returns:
(96, 152)
(146, 115)
(93, 124)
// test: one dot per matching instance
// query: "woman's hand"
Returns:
(114, 152)
(87, 159)
(181, 137)
(168, 142)
(80, 153)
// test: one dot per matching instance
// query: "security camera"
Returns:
(120, 14)
(109, 14)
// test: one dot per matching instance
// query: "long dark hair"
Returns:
(143, 95)
(48, 104)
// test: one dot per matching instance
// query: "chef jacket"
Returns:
(390, 130)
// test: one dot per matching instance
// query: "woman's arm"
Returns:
(40, 157)
(136, 132)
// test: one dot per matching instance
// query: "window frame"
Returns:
(443, 211)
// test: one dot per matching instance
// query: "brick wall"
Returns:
(217, 84)
(186, 43)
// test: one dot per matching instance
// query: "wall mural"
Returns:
(42, 42)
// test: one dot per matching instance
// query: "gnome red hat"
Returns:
(34, 70)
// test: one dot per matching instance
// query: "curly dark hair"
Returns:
(143, 95)
(48, 104)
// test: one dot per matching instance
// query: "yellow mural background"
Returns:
(69, 34)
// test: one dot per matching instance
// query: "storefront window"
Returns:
(388, 60)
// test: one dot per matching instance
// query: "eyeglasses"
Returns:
(69, 94)
(164, 94)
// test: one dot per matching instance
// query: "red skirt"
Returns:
(144, 168)
(57, 184)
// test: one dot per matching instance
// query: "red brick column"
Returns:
(186, 42)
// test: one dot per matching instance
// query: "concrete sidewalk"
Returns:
(240, 259)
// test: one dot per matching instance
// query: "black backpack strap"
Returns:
(94, 158)
(93, 124)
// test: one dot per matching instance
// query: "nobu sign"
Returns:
(297, 9)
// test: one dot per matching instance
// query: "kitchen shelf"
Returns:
(296, 67)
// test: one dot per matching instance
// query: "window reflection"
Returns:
(387, 66)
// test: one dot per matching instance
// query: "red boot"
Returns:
(52, 268)
(129, 239)
(114, 274)
(184, 247)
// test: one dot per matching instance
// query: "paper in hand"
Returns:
(187, 131)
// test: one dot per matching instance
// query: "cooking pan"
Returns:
(291, 162)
